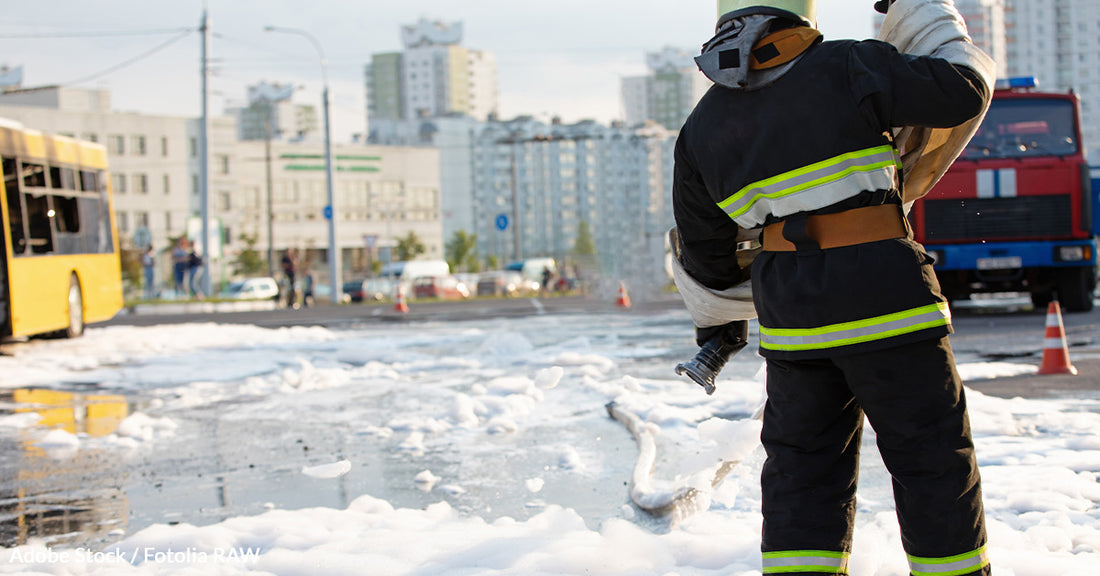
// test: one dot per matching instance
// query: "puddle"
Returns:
(48, 489)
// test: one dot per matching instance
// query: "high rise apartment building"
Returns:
(543, 180)
(434, 76)
(1058, 42)
(668, 93)
(271, 114)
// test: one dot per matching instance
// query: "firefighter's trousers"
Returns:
(813, 424)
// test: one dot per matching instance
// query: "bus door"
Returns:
(11, 188)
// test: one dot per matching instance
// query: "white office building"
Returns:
(381, 193)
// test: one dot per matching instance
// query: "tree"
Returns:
(248, 261)
(585, 244)
(461, 251)
(409, 247)
(132, 272)
(584, 254)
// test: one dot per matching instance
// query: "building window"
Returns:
(118, 183)
(195, 184)
(168, 222)
(194, 148)
(167, 187)
(91, 137)
(116, 144)
(141, 220)
(123, 222)
(223, 164)
(164, 146)
(141, 183)
(139, 145)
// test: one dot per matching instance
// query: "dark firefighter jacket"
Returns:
(815, 142)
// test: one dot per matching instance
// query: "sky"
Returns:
(561, 58)
(482, 447)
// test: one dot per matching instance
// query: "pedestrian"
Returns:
(148, 266)
(180, 264)
(290, 264)
(547, 275)
(307, 287)
(194, 269)
(794, 148)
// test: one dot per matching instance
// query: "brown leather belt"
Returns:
(848, 228)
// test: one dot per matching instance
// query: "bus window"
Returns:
(62, 178)
(66, 214)
(15, 208)
(34, 175)
(89, 181)
(39, 227)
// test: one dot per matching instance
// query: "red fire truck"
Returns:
(1015, 212)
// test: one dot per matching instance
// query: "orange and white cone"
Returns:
(400, 305)
(623, 301)
(1055, 349)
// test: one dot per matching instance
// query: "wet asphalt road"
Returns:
(994, 329)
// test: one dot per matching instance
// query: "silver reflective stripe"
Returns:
(950, 566)
(814, 186)
(859, 331)
(805, 561)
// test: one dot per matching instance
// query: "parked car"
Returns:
(264, 288)
(368, 289)
(445, 287)
(504, 283)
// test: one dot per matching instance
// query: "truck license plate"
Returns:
(1005, 263)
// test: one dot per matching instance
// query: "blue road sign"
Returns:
(328, 212)
(502, 222)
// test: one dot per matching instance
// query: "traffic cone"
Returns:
(623, 300)
(1055, 349)
(400, 305)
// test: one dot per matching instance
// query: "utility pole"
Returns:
(270, 204)
(204, 153)
(334, 265)
(517, 249)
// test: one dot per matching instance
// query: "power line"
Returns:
(99, 34)
(137, 58)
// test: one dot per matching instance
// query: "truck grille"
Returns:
(997, 218)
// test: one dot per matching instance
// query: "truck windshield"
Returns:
(1021, 128)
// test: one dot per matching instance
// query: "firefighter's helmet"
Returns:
(805, 10)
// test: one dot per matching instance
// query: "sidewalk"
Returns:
(198, 307)
(1086, 384)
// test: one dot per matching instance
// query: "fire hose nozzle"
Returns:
(710, 359)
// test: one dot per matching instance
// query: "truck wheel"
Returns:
(1075, 288)
(1040, 300)
(76, 309)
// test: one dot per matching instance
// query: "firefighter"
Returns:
(800, 144)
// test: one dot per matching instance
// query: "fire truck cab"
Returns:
(1014, 213)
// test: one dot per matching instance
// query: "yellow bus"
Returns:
(59, 258)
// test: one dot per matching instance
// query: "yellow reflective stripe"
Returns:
(812, 176)
(856, 332)
(951, 565)
(805, 561)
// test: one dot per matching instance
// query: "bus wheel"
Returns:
(76, 309)
(1075, 288)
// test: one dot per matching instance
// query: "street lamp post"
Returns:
(333, 249)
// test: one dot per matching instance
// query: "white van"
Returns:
(532, 268)
(405, 271)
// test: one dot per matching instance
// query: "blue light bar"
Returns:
(1017, 83)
